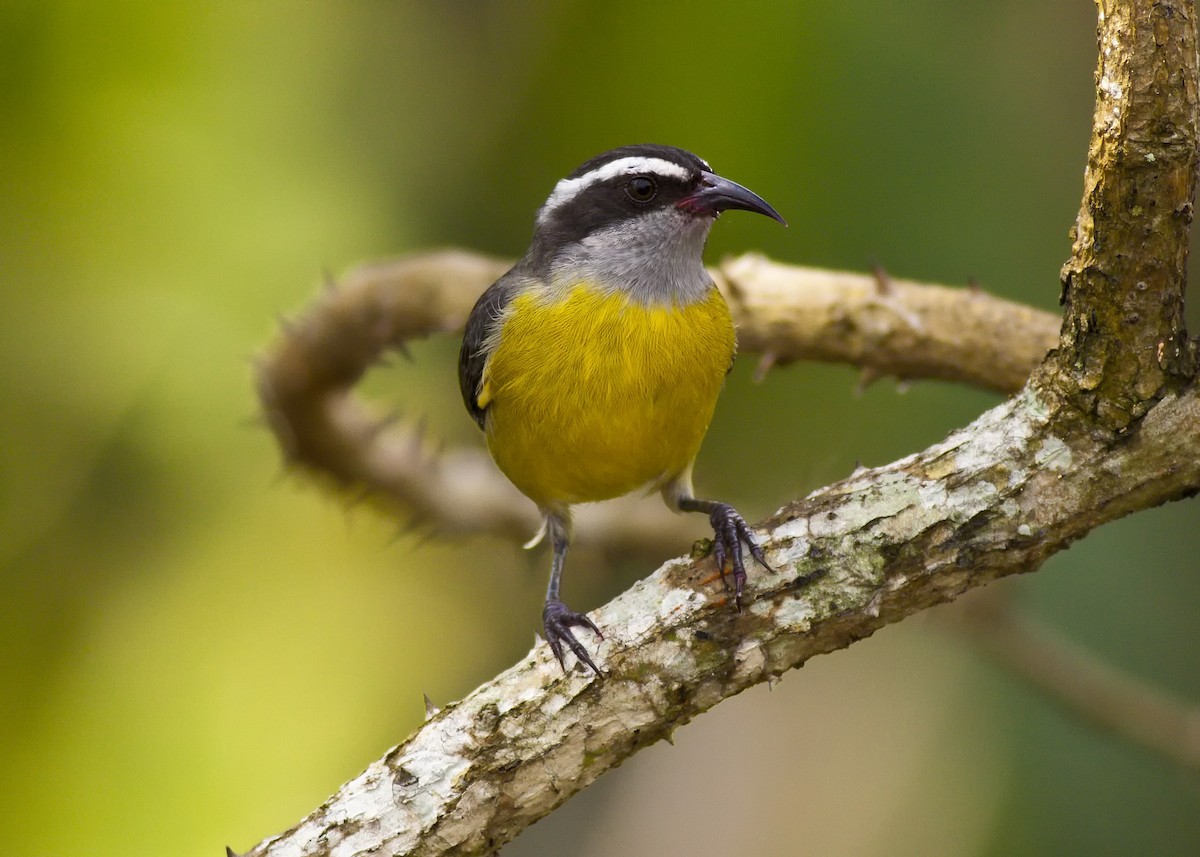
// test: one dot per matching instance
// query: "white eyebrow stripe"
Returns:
(568, 189)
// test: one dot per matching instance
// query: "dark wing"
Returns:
(472, 358)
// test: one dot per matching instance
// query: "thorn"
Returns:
(268, 397)
(229, 852)
(858, 468)
(426, 537)
(385, 422)
(285, 437)
(419, 431)
(669, 737)
(765, 364)
(402, 347)
(417, 441)
(973, 287)
(431, 710)
(357, 498)
(384, 362)
(903, 385)
(327, 280)
(773, 680)
(283, 474)
(886, 292)
(286, 324)
(254, 421)
(409, 527)
(883, 282)
(868, 376)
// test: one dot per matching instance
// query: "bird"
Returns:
(593, 366)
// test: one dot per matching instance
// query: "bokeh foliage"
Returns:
(195, 651)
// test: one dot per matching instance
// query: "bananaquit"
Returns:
(593, 366)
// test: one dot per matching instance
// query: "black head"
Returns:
(630, 182)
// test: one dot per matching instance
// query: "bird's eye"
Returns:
(641, 189)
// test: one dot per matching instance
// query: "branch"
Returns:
(994, 499)
(1123, 339)
(887, 327)
(1107, 426)
(1073, 677)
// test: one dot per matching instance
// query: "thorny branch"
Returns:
(784, 312)
(1106, 426)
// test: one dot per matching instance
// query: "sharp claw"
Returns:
(756, 550)
(557, 622)
(719, 557)
(730, 531)
(581, 653)
(590, 625)
(556, 648)
(739, 583)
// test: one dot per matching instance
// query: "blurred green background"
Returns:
(195, 651)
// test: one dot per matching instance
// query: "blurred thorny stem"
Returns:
(785, 313)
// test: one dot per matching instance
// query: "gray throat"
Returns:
(656, 258)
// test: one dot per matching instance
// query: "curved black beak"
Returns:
(714, 194)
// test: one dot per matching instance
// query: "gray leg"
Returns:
(557, 620)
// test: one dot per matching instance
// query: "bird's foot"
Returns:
(557, 620)
(729, 531)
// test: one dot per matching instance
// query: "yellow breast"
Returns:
(596, 395)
